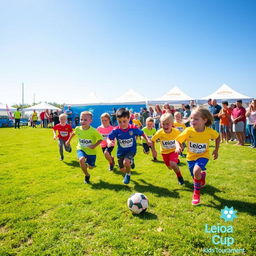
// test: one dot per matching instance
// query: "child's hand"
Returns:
(178, 149)
(55, 137)
(215, 154)
(67, 143)
(149, 142)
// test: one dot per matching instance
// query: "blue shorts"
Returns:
(201, 162)
(90, 159)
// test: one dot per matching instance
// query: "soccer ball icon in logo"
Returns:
(137, 203)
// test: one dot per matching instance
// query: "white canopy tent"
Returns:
(131, 97)
(90, 99)
(41, 107)
(174, 96)
(225, 93)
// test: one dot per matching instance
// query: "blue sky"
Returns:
(63, 50)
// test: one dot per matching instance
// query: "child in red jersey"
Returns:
(64, 131)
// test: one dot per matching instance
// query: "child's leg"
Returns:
(107, 154)
(61, 143)
(175, 167)
(83, 166)
(127, 165)
(67, 148)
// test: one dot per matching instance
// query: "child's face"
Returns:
(123, 122)
(136, 116)
(63, 120)
(105, 121)
(150, 125)
(167, 125)
(197, 121)
(85, 120)
(177, 117)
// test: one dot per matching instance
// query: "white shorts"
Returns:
(238, 127)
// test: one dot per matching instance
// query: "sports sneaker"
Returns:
(87, 179)
(132, 164)
(203, 174)
(127, 179)
(196, 199)
(181, 180)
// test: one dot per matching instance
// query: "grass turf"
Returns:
(47, 210)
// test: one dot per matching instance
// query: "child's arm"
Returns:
(72, 134)
(154, 153)
(95, 145)
(55, 136)
(178, 147)
(147, 139)
(215, 151)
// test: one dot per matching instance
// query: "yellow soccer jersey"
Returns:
(167, 140)
(197, 142)
(137, 122)
(180, 126)
(87, 138)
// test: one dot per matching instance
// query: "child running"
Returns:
(107, 145)
(167, 136)
(64, 131)
(197, 137)
(136, 121)
(149, 130)
(88, 139)
(126, 134)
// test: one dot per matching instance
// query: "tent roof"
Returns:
(175, 95)
(3, 107)
(131, 96)
(226, 93)
(91, 98)
(41, 107)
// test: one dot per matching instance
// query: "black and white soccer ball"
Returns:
(137, 203)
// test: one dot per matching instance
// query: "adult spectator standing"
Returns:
(113, 118)
(186, 115)
(145, 115)
(238, 119)
(55, 117)
(42, 114)
(17, 117)
(225, 121)
(157, 114)
(69, 114)
(46, 118)
(151, 112)
(34, 118)
(251, 115)
(215, 113)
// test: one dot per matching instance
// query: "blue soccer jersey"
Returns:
(126, 139)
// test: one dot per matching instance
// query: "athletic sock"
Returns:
(197, 186)
(178, 174)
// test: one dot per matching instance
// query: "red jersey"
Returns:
(63, 131)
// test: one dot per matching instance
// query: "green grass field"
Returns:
(46, 209)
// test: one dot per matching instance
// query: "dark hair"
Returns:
(225, 103)
(122, 112)
(239, 101)
(187, 106)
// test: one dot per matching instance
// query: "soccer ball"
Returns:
(137, 203)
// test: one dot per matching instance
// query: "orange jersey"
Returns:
(225, 116)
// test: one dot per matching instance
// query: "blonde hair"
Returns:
(166, 116)
(63, 115)
(88, 113)
(177, 113)
(205, 114)
(105, 115)
(149, 119)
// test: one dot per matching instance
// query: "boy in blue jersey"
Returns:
(125, 134)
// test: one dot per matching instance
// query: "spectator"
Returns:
(17, 117)
(42, 114)
(145, 115)
(186, 115)
(34, 119)
(251, 114)
(151, 112)
(113, 118)
(46, 118)
(225, 121)
(215, 109)
(157, 114)
(56, 118)
(238, 119)
(69, 114)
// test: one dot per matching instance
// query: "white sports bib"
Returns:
(126, 143)
(197, 148)
(168, 144)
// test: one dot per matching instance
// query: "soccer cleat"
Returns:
(196, 199)
(181, 180)
(127, 179)
(203, 174)
(87, 179)
(111, 167)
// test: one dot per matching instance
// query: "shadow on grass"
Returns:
(72, 163)
(117, 171)
(110, 186)
(146, 216)
(159, 191)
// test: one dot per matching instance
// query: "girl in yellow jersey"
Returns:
(197, 137)
(167, 135)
